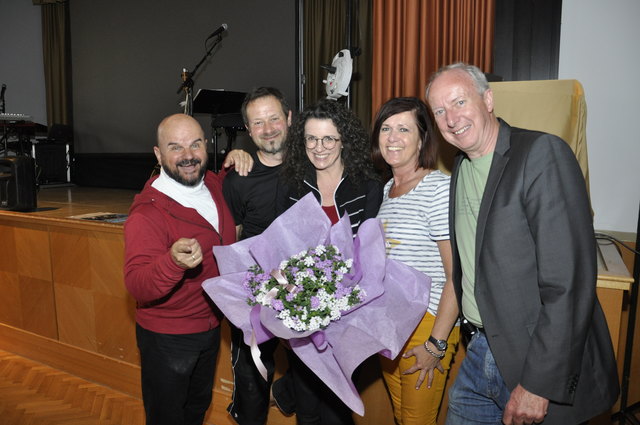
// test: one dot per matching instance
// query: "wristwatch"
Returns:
(440, 344)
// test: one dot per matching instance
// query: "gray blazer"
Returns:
(536, 276)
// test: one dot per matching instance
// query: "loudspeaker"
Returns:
(52, 163)
(17, 183)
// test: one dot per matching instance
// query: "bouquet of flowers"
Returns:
(307, 290)
(385, 299)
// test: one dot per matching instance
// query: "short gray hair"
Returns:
(477, 76)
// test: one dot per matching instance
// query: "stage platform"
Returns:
(69, 200)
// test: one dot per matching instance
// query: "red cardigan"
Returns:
(169, 299)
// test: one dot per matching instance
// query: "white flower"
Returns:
(298, 317)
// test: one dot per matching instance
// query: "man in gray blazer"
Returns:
(524, 267)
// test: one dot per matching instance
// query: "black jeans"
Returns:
(250, 403)
(177, 375)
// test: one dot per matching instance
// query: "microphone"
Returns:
(218, 31)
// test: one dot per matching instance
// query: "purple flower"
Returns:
(315, 303)
(327, 274)
(290, 296)
(277, 304)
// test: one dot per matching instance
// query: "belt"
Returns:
(470, 328)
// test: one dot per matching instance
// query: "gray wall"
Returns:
(128, 56)
(599, 47)
(21, 65)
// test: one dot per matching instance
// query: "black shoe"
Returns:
(283, 395)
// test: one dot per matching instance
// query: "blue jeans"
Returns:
(177, 375)
(479, 394)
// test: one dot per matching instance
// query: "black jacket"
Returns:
(360, 201)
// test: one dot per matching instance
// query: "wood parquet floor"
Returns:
(34, 394)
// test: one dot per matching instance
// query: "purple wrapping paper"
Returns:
(396, 299)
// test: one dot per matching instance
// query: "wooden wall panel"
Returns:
(95, 310)
(27, 299)
(10, 310)
(32, 251)
(38, 306)
(69, 250)
(76, 320)
(8, 261)
(106, 261)
(115, 329)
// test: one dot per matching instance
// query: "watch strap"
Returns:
(440, 344)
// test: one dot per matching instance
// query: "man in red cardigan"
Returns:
(169, 234)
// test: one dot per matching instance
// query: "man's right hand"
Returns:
(186, 253)
(524, 408)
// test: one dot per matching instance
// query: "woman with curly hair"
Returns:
(326, 153)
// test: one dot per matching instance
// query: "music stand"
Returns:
(225, 109)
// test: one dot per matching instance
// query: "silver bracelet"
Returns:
(438, 356)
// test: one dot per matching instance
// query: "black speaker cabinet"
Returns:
(17, 183)
(52, 163)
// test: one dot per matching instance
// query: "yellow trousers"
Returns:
(411, 406)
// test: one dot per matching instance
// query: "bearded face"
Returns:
(182, 149)
(187, 172)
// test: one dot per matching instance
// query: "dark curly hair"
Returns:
(427, 156)
(355, 141)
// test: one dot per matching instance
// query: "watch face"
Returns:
(440, 344)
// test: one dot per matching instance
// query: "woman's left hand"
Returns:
(425, 363)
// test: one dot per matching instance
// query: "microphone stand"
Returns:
(187, 81)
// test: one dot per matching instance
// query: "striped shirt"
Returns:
(413, 223)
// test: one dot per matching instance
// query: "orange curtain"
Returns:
(413, 38)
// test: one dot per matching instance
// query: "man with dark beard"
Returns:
(169, 234)
(252, 202)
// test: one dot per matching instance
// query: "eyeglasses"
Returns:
(328, 142)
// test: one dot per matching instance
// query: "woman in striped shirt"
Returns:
(414, 214)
